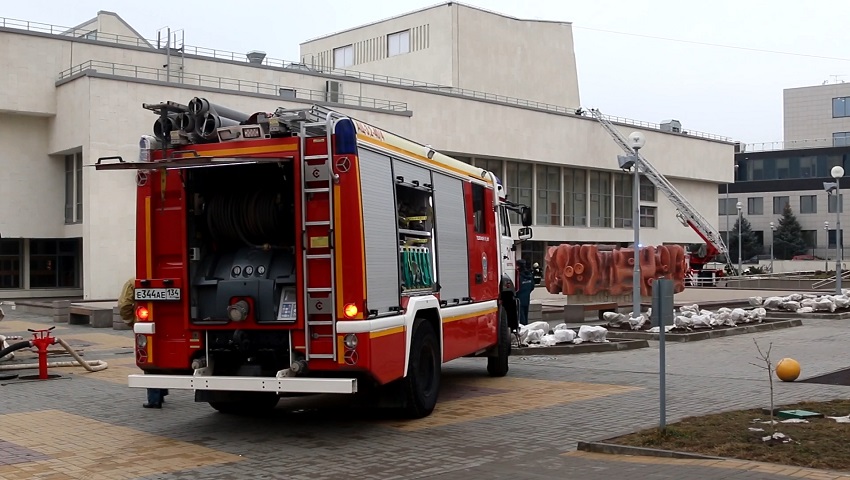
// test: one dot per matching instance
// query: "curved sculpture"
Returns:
(584, 270)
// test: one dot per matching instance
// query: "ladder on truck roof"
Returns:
(686, 213)
(317, 181)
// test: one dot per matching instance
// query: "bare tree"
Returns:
(768, 366)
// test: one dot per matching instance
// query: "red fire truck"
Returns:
(307, 252)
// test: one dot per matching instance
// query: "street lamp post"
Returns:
(772, 236)
(637, 141)
(838, 172)
(826, 260)
(740, 263)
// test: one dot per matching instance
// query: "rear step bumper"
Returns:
(246, 384)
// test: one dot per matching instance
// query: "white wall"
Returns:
(808, 112)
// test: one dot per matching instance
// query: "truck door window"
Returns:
(478, 217)
(506, 224)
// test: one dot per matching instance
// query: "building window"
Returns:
(533, 251)
(811, 238)
(831, 238)
(779, 204)
(344, 56)
(548, 195)
(519, 183)
(831, 203)
(727, 206)
(490, 165)
(55, 263)
(841, 139)
(647, 190)
(808, 204)
(647, 216)
(575, 197)
(74, 188)
(398, 43)
(11, 256)
(600, 199)
(623, 200)
(755, 206)
(841, 107)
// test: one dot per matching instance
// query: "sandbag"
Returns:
(593, 333)
(564, 335)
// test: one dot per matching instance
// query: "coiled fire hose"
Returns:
(90, 365)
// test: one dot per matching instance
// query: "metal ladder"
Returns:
(317, 181)
(686, 213)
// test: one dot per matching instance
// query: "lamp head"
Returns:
(738, 206)
(837, 171)
(637, 140)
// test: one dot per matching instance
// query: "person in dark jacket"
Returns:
(525, 284)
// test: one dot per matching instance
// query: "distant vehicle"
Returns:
(806, 257)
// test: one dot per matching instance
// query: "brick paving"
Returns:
(526, 425)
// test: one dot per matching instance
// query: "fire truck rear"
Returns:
(307, 252)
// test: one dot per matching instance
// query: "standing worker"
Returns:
(126, 308)
(524, 288)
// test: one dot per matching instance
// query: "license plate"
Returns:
(157, 294)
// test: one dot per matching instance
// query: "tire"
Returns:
(421, 386)
(497, 365)
(252, 403)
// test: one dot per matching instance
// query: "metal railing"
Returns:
(354, 74)
(787, 145)
(234, 84)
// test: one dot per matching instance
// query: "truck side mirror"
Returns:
(525, 214)
(524, 234)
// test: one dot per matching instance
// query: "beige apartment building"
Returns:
(495, 91)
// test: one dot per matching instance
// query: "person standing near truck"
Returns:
(126, 308)
(525, 285)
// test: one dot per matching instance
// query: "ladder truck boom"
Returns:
(686, 213)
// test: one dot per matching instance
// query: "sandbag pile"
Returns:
(688, 317)
(804, 302)
(538, 334)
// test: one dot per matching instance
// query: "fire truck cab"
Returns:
(307, 252)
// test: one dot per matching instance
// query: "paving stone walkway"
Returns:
(523, 426)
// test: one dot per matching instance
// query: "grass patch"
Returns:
(821, 443)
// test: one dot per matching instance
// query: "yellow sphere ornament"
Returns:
(788, 369)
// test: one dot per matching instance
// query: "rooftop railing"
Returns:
(354, 74)
(792, 144)
(233, 84)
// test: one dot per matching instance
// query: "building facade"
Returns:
(770, 175)
(70, 96)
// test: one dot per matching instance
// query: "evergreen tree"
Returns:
(788, 236)
(750, 244)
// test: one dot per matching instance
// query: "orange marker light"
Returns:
(350, 310)
(142, 313)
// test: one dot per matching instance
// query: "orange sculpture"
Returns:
(583, 269)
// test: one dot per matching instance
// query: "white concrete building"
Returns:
(70, 96)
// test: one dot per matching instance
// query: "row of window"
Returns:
(397, 43)
(811, 237)
(573, 197)
(812, 166)
(51, 263)
(755, 205)
(74, 188)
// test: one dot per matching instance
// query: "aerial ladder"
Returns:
(685, 212)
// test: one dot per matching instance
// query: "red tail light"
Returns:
(142, 313)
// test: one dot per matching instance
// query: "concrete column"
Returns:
(61, 311)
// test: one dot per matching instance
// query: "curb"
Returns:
(844, 315)
(610, 448)
(708, 334)
(571, 349)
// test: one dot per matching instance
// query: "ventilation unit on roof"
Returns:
(256, 56)
(673, 126)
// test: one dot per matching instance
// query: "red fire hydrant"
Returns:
(41, 339)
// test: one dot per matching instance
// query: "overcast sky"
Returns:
(729, 91)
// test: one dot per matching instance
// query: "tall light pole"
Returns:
(826, 260)
(740, 208)
(838, 172)
(772, 236)
(637, 141)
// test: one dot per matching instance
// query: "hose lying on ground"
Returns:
(90, 365)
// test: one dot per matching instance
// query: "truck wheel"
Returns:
(422, 384)
(497, 365)
(251, 403)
